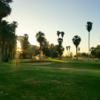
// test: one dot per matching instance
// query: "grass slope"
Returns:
(70, 80)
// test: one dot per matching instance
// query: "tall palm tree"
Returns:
(62, 34)
(76, 40)
(58, 33)
(68, 49)
(89, 28)
(60, 40)
(60, 48)
(42, 40)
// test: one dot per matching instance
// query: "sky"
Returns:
(49, 16)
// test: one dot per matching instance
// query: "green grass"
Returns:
(70, 80)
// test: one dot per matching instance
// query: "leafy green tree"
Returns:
(3, 37)
(60, 50)
(46, 51)
(51, 51)
(12, 39)
(95, 51)
(76, 40)
(25, 45)
(5, 9)
(8, 40)
(89, 28)
(7, 32)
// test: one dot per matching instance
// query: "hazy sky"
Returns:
(49, 16)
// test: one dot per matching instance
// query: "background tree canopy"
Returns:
(7, 32)
(95, 51)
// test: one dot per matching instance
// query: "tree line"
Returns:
(8, 39)
(7, 32)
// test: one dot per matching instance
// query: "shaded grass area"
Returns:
(69, 80)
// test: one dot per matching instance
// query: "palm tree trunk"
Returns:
(76, 53)
(40, 52)
(89, 43)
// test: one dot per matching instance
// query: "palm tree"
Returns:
(62, 34)
(76, 40)
(60, 40)
(89, 28)
(60, 48)
(42, 40)
(58, 33)
(68, 49)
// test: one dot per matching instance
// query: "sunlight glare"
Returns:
(18, 48)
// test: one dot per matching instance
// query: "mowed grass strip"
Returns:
(70, 80)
